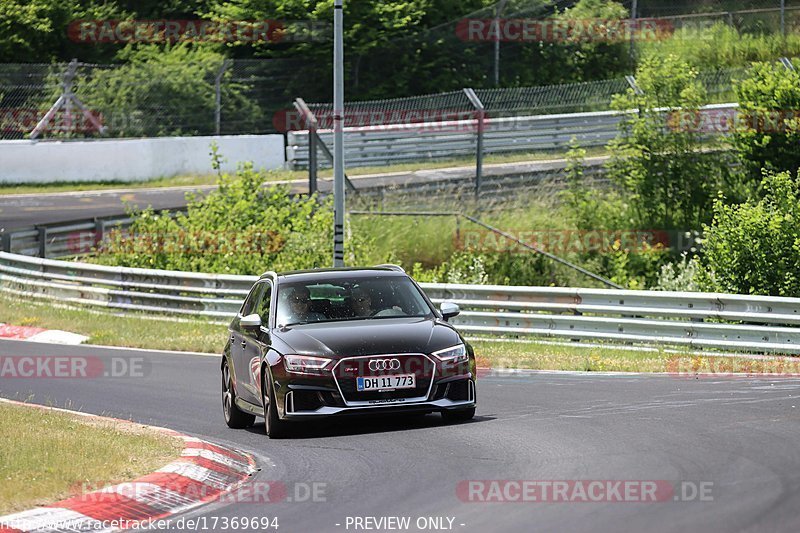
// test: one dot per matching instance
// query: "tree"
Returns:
(669, 174)
(167, 91)
(596, 53)
(35, 31)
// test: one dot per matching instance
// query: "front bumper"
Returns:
(441, 387)
(465, 400)
(435, 405)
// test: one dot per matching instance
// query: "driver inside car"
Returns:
(362, 305)
(362, 302)
(299, 301)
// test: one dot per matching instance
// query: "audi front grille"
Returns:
(348, 369)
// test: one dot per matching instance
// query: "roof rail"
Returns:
(398, 268)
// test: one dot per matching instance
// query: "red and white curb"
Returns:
(28, 333)
(203, 473)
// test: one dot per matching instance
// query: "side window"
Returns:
(252, 299)
(263, 305)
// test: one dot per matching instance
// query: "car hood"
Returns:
(369, 337)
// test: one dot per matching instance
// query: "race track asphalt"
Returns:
(737, 437)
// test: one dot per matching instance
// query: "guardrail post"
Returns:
(99, 231)
(632, 83)
(312, 160)
(42, 241)
(478, 105)
(311, 121)
(5, 241)
(329, 156)
(218, 96)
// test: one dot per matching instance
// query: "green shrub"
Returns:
(767, 135)
(754, 247)
(167, 92)
(241, 228)
(668, 174)
(681, 275)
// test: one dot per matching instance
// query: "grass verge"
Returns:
(136, 331)
(553, 356)
(130, 330)
(49, 455)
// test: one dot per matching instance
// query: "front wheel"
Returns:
(459, 415)
(273, 425)
(234, 417)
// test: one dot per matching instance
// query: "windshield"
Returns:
(322, 300)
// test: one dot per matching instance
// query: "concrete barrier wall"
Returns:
(28, 161)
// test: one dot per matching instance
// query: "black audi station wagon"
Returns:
(332, 342)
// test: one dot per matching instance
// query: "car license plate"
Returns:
(383, 383)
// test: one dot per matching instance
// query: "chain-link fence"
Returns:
(255, 95)
(145, 99)
(507, 102)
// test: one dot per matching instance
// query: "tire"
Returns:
(460, 415)
(234, 417)
(274, 427)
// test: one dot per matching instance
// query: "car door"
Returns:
(241, 369)
(254, 343)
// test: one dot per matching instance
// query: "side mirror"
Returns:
(250, 321)
(449, 310)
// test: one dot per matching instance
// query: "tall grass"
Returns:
(722, 46)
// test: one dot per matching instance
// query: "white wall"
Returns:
(28, 161)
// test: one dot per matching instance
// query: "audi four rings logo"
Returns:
(384, 364)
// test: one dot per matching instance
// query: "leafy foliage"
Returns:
(596, 59)
(177, 82)
(668, 174)
(754, 247)
(240, 228)
(35, 30)
(681, 275)
(767, 133)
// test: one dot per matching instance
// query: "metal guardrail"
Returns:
(61, 239)
(386, 145)
(697, 320)
(389, 144)
(215, 296)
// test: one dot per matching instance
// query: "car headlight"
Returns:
(304, 363)
(454, 354)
